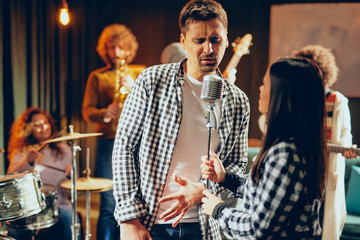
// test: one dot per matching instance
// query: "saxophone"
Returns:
(121, 92)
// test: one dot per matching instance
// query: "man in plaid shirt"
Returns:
(162, 133)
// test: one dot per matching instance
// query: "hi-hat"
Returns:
(89, 184)
(72, 136)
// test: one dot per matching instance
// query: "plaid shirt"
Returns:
(147, 134)
(277, 206)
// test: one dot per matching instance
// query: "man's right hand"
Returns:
(134, 230)
(112, 111)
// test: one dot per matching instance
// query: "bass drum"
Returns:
(2, 237)
(20, 196)
(46, 218)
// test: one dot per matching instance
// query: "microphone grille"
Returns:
(211, 88)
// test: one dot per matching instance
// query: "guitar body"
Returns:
(240, 47)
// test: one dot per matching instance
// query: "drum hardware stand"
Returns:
(34, 233)
(3, 230)
(75, 226)
(87, 171)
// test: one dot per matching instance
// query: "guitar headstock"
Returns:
(241, 45)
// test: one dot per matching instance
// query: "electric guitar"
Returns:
(241, 47)
(339, 149)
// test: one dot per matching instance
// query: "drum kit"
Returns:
(26, 203)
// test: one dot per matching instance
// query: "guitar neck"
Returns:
(234, 61)
(339, 149)
(241, 47)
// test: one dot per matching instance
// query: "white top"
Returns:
(191, 144)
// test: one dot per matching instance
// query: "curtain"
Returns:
(41, 63)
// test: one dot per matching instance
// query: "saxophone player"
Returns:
(102, 105)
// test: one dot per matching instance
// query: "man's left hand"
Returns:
(190, 193)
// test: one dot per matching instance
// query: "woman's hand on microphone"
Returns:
(213, 169)
(209, 202)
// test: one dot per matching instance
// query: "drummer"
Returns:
(52, 161)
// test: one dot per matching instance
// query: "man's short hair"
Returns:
(201, 10)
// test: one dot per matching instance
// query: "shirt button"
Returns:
(173, 141)
(162, 186)
(168, 162)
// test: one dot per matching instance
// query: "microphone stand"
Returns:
(211, 123)
(74, 226)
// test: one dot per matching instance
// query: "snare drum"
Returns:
(45, 218)
(20, 196)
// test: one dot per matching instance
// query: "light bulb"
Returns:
(64, 16)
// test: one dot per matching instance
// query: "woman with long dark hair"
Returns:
(284, 190)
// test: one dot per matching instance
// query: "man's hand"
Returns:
(127, 81)
(209, 202)
(213, 169)
(190, 193)
(134, 230)
(112, 111)
(349, 153)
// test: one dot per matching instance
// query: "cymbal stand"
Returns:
(75, 226)
(88, 198)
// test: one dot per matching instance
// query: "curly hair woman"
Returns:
(52, 161)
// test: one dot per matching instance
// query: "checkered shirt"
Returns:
(271, 206)
(147, 134)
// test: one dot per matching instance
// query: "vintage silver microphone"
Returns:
(211, 90)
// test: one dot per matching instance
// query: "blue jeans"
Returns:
(65, 218)
(107, 228)
(183, 231)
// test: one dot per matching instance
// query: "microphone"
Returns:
(211, 88)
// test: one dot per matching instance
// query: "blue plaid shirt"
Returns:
(146, 138)
(277, 206)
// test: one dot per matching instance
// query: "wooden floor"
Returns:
(94, 211)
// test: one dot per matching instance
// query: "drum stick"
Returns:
(53, 136)
(54, 168)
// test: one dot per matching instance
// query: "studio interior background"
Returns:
(45, 64)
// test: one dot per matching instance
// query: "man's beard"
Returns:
(113, 61)
(207, 68)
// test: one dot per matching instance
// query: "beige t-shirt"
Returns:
(192, 143)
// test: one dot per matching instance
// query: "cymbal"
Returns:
(89, 184)
(72, 136)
